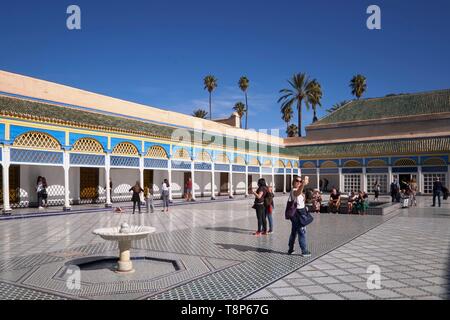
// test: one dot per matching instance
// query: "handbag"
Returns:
(305, 218)
(291, 208)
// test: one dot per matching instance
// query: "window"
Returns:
(352, 182)
(382, 180)
(429, 178)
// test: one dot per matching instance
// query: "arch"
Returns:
(89, 145)
(328, 164)
(37, 140)
(404, 162)
(204, 157)
(309, 165)
(125, 148)
(222, 158)
(267, 163)
(289, 164)
(295, 164)
(156, 152)
(352, 164)
(254, 162)
(280, 164)
(182, 154)
(377, 163)
(434, 162)
(239, 160)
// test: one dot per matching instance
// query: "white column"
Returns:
(420, 180)
(5, 168)
(108, 203)
(66, 164)
(364, 180)
(273, 179)
(213, 183)
(390, 180)
(284, 180)
(231, 182)
(193, 179)
(246, 181)
(169, 178)
(318, 178)
(341, 181)
(141, 171)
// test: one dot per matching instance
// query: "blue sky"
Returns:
(157, 52)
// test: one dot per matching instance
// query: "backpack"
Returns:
(268, 198)
(291, 207)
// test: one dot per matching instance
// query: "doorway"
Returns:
(405, 179)
(288, 183)
(148, 179)
(89, 178)
(250, 181)
(224, 183)
(14, 185)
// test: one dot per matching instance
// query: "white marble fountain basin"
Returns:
(124, 234)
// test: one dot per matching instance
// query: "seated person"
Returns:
(316, 201)
(335, 201)
(351, 201)
(362, 202)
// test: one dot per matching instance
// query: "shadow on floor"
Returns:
(230, 229)
(243, 248)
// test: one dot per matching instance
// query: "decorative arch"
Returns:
(222, 158)
(204, 157)
(328, 164)
(267, 163)
(434, 162)
(182, 154)
(295, 164)
(88, 145)
(280, 164)
(239, 160)
(404, 162)
(125, 148)
(352, 164)
(37, 140)
(309, 165)
(156, 152)
(377, 163)
(254, 162)
(289, 164)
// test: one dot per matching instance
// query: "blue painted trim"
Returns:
(36, 156)
(443, 157)
(302, 162)
(435, 169)
(148, 145)
(16, 131)
(188, 149)
(385, 159)
(238, 168)
(329, 171)
(2, 132)
(404, 169)
(335, 161)
(309, 171)
(394, 159)
(377, 170)
(360, 160)
(136, 143)
(351, 170)
(74, 137)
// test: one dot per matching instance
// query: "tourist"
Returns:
(414, 188)
(44, 192)
(165, 192)
(148, 193)
(395, 188)
(376, 189)
(136, 196)
(437, 190)
(362, 203)
(352, 198)
(297, 228)
(335, 201)
(316, 201)
(259, 207)
(188, 196)
(269, 207)
(39, 188)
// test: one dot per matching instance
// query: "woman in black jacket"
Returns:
(136, 198)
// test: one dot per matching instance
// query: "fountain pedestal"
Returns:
(124, 263)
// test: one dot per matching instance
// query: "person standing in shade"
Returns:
(395, 189)
(269, 206)
(148, 193)
(260, 208)
(437, 190)
(165, 187)
(297, 229)
(414, 187)
(189, 190)
(44, 192)
(136, 196)
(39, 188)
(376, 189)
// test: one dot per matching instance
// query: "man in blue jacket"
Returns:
(437, 190)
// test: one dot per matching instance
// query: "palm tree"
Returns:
(210, 83)
(292, 130)
(200, 113)
(299, 92)
(337, 106)
(358, 85)
(315, 97)
(239, 107)
(286, 114)
(243, 85)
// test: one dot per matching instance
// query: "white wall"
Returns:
(239, 183)
(123, 180)
(177, 184)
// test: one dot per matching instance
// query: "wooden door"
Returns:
(89, 178)
(250, 181)
(224, 182)
(14, 184)
(148, 179)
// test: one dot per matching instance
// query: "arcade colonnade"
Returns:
(86, 168)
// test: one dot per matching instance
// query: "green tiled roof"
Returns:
(376, 148)
(45, 112)
(391, 106)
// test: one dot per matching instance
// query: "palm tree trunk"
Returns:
(299, 108)
(246, 111)
(315, 115)
(210, 112)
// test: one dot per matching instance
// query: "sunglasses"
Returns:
(298, 180)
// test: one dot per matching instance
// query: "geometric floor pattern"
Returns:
(206, 251)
